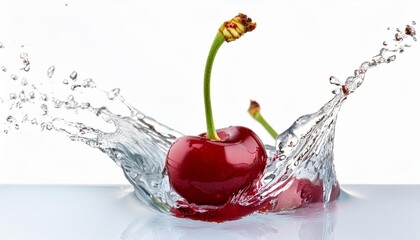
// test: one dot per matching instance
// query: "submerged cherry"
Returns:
(211, 168)
(301, 191)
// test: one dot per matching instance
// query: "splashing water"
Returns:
(299, 170)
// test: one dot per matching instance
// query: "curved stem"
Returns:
(228, 31)
(259, 118)
(255, 111)
(217, 42)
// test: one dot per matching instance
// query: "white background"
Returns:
(155, 52)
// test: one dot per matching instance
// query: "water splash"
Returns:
(299, 170)
(50, 71)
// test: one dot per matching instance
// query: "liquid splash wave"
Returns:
(299, 170)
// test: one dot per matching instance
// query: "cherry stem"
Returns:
(254, 111)
(217, 42)
(229, 31)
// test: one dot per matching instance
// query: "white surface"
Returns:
(140, 46)
(386, 212)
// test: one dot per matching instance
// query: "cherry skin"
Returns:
(210, 172)
(301, 192)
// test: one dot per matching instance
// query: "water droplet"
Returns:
(10, 119)
(24, 82)
(24, 55)
(13, 96)
(409, 30)
(5, 131)
(65, 81)
(113, 93)
(398, 37)
(44, 109)
(413, 22)
(391, 58)
(17, 126)
(73, 75)
(31, 95)
(22, 96)
(73, 87)
(27, 67)
(14, 77)
(4, 69)
(385, 43)
(44, 97)
(58, 103)
(50, 71)
(70, 104)
(46, 126)
(34, 121)
(335, 81)
(89, 83)
(85, 105)
(70, 98)
(364, 67)
(1, 45)
(336, 91)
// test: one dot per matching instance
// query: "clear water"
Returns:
(299, 170)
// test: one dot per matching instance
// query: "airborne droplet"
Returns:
(89, 83)
(44, 109)
(73, 75)
(44, 97)
(335, 81)
(24, 82)
(10, 119)
(113, 93)
(31, 95)
(50, 71)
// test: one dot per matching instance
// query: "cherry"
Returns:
(302, 191)
(211, 168)
(208, 172)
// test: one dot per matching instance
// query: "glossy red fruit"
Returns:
(300, 193)
(209, 172)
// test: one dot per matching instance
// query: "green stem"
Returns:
(217, 42)
(259, 118)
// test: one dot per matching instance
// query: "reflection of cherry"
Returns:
(209, 169)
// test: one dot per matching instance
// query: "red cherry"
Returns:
(301, 192)
(210, 172)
